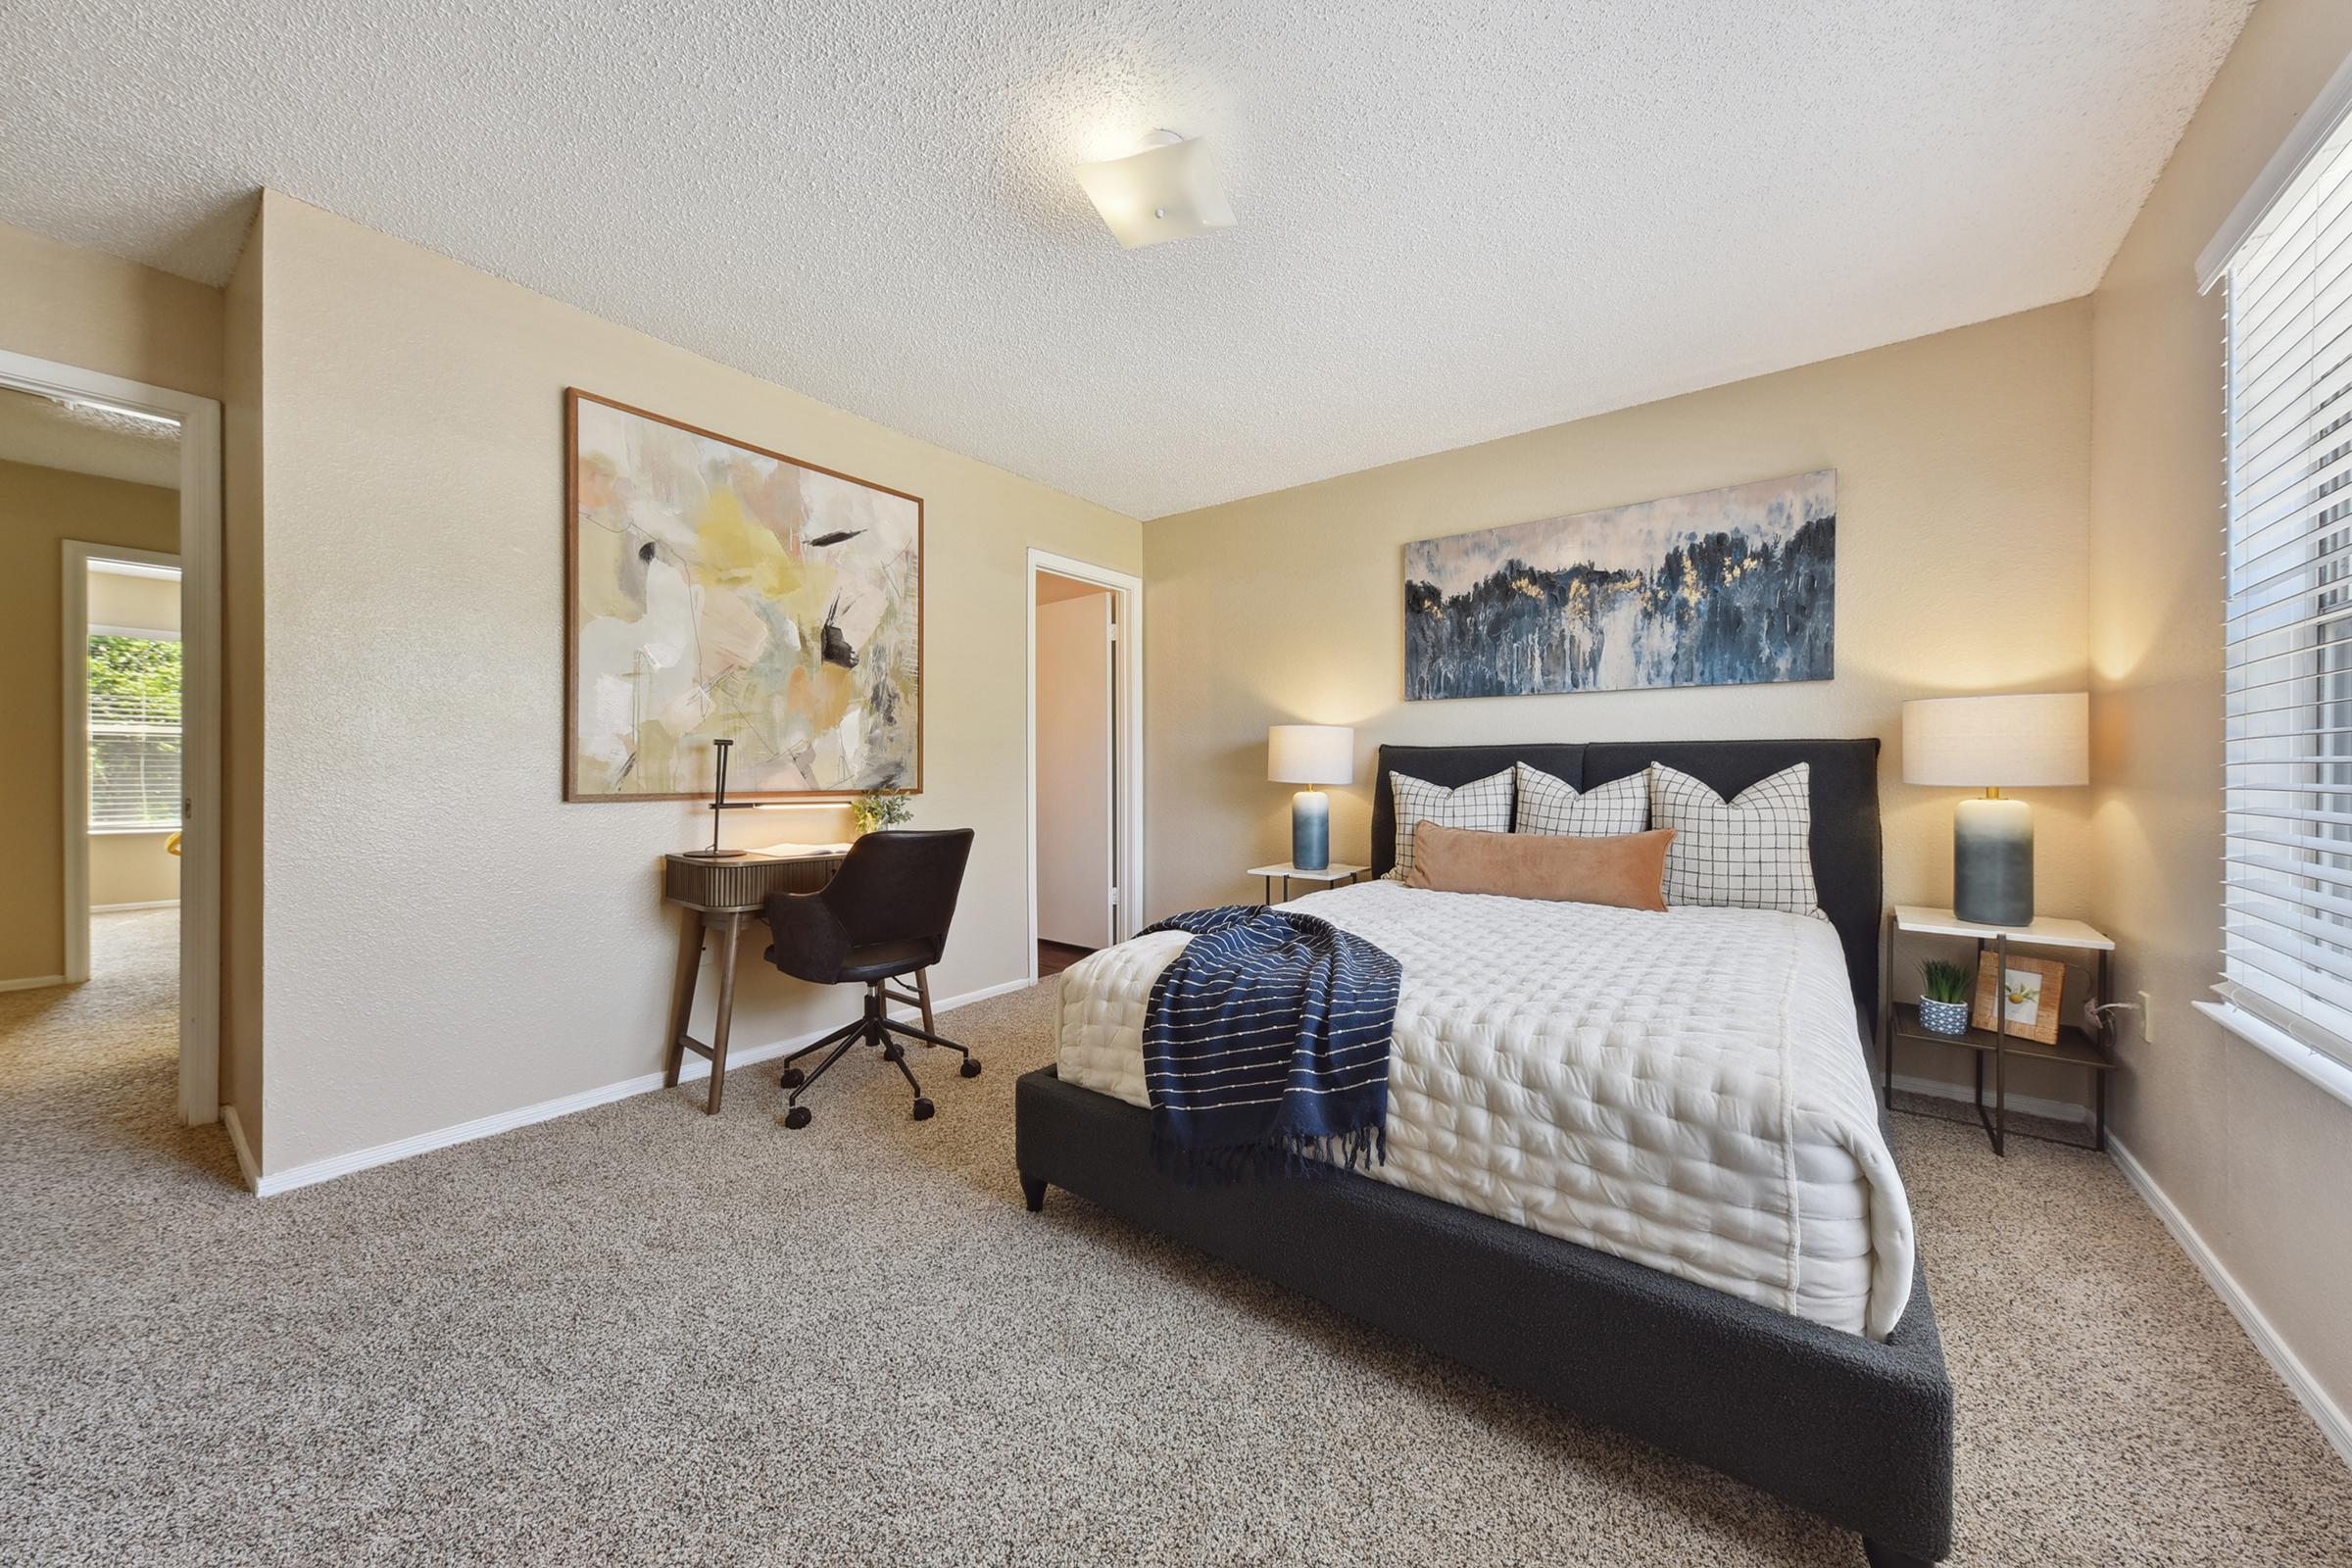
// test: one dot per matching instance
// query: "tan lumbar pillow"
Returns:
(1625, 871)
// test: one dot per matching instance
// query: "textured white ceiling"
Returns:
(1458, 222)
(52, 435)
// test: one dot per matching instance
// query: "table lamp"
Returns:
(1310, 755)
(1996, 742)
(718, 804)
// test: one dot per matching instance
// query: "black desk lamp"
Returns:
(719, 804)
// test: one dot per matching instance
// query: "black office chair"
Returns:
(884, 914)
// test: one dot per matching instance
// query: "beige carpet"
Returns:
(641, 1335)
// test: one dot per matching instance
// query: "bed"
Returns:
(1695, 1185)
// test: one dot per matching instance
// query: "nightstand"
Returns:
(2076, 1046)
(1331, 876)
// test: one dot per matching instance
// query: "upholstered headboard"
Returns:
(1846, 846)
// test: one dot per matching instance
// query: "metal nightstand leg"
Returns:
(2098, 1116)
(2000, 1048)
(1886, 1006)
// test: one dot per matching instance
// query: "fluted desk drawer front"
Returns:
(742, 883)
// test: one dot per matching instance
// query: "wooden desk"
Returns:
(720, 896)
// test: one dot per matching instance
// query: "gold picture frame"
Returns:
(714, 590)
(2031, 990)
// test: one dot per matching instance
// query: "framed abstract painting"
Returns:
(1723, 587)
(716, 589)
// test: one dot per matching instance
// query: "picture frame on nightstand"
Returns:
(2030, 990)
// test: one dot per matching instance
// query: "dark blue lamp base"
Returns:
(1311, 830)
(1992, 863)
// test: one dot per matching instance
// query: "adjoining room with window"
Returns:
(90, 520)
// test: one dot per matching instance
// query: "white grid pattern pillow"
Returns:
(1483, 803)
(1550, 805)
(1752, 852)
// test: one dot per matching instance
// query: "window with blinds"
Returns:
(134, 732)
(2287, 908)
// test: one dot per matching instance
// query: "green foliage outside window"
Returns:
(135, 667)
(134, 732)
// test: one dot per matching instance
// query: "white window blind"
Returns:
(2287, 908)
(134, 756)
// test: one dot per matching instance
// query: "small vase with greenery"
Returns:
(1944, 998)
(876, 810)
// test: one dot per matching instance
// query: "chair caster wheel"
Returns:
(797, 1117)
(970, 1068)
(893, 1052)
(923, 1109)
(793, 1078)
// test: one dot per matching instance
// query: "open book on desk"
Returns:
(800, 851)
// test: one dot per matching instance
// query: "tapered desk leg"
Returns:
(922, 991)
(729, 937)
(681, 994)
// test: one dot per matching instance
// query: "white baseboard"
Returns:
(2299, 1382)
(693, 1068)
(2064, 1111)
(237, 1141)
(119, 908)
(32, 983)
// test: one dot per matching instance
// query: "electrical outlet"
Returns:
(2148, 1018)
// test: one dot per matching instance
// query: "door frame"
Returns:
(200, 615)
(1127, 736)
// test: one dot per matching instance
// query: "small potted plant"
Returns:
(876, 810)
(1944, 998)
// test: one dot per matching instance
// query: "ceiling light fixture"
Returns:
(1166, 191)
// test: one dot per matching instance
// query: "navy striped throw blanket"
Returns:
(1266, 1044)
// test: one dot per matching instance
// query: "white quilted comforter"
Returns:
(1684, 1089)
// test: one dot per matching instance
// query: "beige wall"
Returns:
(138, 604)
(39, 510)
(2256, 1158)
(1962, 486)
(84, 307)
(132, 868)
(445, 938)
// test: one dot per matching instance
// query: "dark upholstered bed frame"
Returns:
(1857, 1432)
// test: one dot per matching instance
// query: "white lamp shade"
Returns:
(2023, 742)
(1161, 193)
(1311, 753)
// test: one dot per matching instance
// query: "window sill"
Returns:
(2324, 1070)
(164, 829)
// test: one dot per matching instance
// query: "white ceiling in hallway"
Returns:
(1456, 221)
(81, 439)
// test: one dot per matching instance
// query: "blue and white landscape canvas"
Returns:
(1720, 588)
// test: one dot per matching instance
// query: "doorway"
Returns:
(124, 741)
(90, 454)
(1085, 759)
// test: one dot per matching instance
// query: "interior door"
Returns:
(1074, 815)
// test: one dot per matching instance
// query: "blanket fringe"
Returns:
(1309, 1155)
